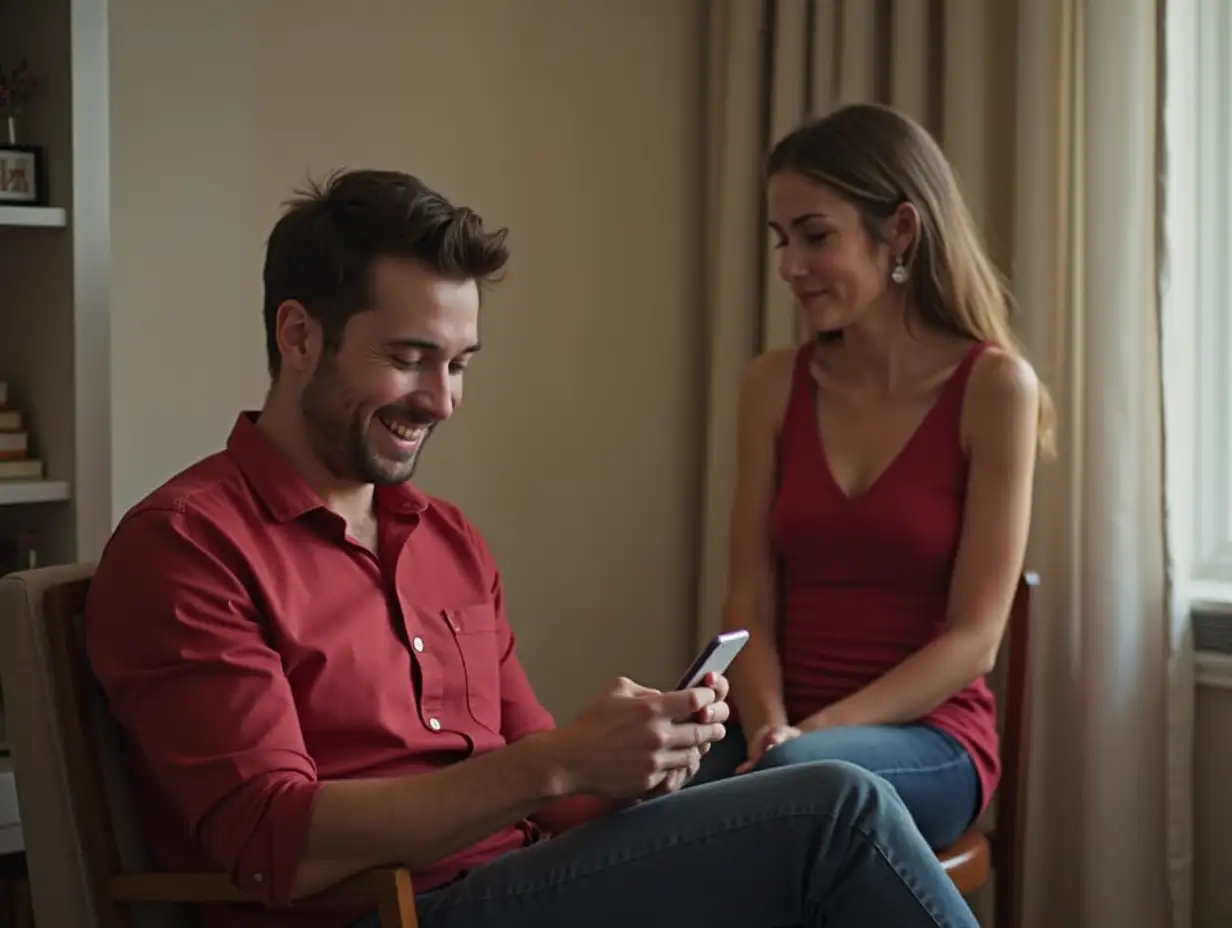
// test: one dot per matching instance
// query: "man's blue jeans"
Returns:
(815, 844)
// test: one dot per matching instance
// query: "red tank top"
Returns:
(863, 581)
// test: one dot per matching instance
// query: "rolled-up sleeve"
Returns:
(522, 713)
(174, 635)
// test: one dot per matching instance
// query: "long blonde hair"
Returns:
(878, 158)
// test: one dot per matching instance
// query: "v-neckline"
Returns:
(946, 386)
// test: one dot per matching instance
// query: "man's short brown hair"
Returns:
(322, 249)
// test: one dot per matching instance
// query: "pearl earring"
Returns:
(899, 274)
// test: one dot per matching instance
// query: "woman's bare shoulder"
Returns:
(1003, 396)
(767, 383)
(771, 371)
(1001, 378)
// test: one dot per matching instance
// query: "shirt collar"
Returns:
(284, 492)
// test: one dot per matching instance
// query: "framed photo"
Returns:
(23, 181)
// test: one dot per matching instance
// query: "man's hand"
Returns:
(718, 683)
(678, 779)
(634, 741)
(765, 738)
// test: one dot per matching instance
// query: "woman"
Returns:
(885, 477)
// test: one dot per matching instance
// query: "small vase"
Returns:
(12, 127)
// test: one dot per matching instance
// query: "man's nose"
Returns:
(439, 405)
(434, 396)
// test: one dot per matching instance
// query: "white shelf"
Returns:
(15, 492)
(36, 217)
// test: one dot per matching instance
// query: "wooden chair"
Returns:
(980, 854)
(115, 887)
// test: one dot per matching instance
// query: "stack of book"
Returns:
(16, 462)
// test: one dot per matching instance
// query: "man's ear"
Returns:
(298, 336)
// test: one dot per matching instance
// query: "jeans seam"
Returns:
(936, 768)
(925, 902)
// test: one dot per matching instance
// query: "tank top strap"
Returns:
(956, 385)
(954, 391)
(801, 406)
(968, 362)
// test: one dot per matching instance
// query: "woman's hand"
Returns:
(765, 738)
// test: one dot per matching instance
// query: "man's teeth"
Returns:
(405, 432)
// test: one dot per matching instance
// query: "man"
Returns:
(311, 661)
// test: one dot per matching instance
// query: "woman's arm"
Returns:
(756, 678)
(1001, 418)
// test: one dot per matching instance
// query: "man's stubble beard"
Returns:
(341, 443)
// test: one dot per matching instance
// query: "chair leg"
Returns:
(396, 907)
(1005, 900)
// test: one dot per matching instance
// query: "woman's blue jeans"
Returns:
(931, 772)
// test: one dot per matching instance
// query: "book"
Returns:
(14, 446)
(26, 469)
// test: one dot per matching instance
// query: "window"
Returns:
(1197, 285)
(1196, 294)
(1213, 306)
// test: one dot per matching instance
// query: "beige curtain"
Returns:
(1111, 831)
(1054, 137)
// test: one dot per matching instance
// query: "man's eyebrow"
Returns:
(424, 344)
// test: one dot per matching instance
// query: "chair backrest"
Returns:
(93, 751)
(1011, 810)
(59, 884)
(89, 751)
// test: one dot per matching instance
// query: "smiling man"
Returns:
(312, 666)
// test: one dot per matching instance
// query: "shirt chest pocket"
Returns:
(474, 634)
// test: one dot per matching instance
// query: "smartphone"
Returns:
(715, 657)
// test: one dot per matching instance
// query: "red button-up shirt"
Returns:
(249, 650)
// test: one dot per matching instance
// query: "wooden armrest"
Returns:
(387, 888)
(175, 887)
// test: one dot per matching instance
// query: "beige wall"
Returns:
(577, 124)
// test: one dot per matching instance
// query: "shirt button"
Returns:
(417, 644)
(434, 724)
(258, 877)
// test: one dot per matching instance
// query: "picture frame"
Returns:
(23, 176)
